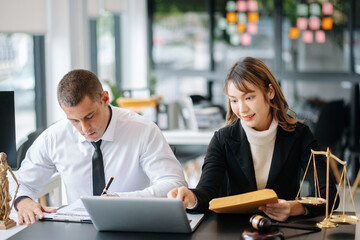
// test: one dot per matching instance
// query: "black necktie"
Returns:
(98, 169)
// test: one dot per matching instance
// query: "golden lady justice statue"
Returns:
(5, 197)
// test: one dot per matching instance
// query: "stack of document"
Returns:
(74, 212)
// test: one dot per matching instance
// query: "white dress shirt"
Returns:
(134, 151)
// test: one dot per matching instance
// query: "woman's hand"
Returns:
(283, 209)
(187, 196)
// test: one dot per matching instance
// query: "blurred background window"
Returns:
(243, 28)
(304, 42)
(106, 47)
(356, 45)
(316, 36)
(180, 34)
(17, 74)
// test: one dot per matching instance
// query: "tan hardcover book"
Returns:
(243, 203)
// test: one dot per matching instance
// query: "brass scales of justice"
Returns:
(330, 220)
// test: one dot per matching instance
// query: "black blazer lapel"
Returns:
(283, 144)
(241, 149)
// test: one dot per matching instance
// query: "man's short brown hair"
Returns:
(77, 84)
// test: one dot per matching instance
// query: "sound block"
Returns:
(253, 234)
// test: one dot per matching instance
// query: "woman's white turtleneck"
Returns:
(262, 147)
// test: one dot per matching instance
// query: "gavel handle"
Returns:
(298, 226)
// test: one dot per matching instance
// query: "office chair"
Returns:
(20, 156)
(353, 151)
(330, 125)
(329, 130)
(20, 153)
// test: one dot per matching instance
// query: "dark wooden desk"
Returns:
(214, 226)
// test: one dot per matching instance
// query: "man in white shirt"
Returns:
(133, 150)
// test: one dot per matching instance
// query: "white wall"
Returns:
(134, 44)
(67, 45)
(58, 54)
(23, 16)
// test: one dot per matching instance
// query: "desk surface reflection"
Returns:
(214, 226)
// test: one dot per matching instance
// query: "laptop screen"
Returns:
(140, 214)
(7, 127)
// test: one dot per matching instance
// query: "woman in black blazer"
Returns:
(262, 146)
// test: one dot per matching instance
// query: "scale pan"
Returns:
(344, 219)
(311, 201)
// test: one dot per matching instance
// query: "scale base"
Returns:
(326, 223)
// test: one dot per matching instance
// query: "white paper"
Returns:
(74, 212)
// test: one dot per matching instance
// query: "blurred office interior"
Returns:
(179, 52)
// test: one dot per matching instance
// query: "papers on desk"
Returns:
(74, 212)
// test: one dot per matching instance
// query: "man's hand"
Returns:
(283, 209)
(187, 196)
(28, 210)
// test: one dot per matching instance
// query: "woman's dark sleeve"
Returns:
(212, 175)
(321, 168)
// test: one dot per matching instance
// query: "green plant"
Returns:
(116, 91)
(151, 81)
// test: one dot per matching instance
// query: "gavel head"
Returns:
(261, 223)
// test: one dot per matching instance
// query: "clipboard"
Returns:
(75, 213)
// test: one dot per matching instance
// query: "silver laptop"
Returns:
(140, 214)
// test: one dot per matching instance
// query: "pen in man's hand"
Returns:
(107, 186)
